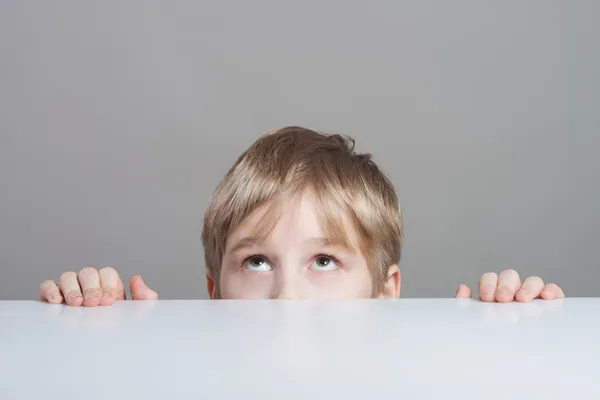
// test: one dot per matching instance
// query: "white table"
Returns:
(362, 349)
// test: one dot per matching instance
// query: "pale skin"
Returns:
(296, 261)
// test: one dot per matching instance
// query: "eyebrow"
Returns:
(243, 243)
(250, 241)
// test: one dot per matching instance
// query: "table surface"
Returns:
(416, 348)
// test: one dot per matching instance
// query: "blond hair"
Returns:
(282, 164)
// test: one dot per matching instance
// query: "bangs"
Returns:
(337, 217)
(341, 222)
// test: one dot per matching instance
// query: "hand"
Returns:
(93, 288)
(507, 287)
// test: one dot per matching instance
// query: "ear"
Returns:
(391, 289)
(210, 285)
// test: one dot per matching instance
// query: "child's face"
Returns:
(296, 261)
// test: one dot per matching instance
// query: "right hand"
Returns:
(93, 288)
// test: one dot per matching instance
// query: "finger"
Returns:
(508, 284)
(487, 286)
(552, 291)
(69, 286)
(89, 280)
(530, 289)
(463, 292)
(139, 290)
(112, 286)
(49, 292)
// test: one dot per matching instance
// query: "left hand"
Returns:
(507, 287)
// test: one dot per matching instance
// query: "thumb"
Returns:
(139, 290)
(463, 292)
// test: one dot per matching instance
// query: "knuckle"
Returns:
(88, 271)
(108, 270)
(46, 284)
(534, 279)
(68, 276)
(510, 273)
(488, 276)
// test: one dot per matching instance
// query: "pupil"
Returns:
(257, 261)
(323, 261)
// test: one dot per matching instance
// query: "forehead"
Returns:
(293, 221)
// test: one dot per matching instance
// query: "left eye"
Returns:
(324, 263)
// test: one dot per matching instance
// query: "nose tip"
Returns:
(286, 292)
(286, 296)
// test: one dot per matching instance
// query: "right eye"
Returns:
(256, 263)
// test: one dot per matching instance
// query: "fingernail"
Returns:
(73, 295)
(487, 289)
(108, 295)
(504, 291)
(90, 294)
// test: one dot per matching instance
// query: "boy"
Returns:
(299, 215)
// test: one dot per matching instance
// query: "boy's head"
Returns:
(301, 215)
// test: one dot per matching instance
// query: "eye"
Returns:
(256, 263)
(324, 263)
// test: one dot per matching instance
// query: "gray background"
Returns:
(117, 119)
